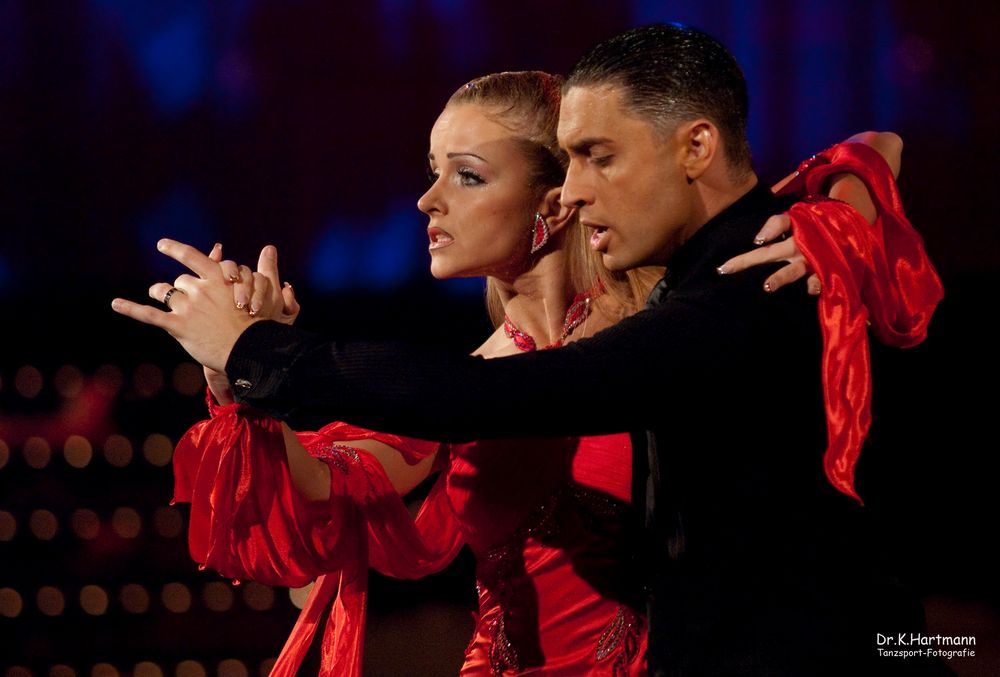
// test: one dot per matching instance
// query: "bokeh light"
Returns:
(28, 382)
(68, 381)
(176, 597)
(104, 670)
(93, 600)
(108, 379)
(50, 601)
(232, 668)
(258, 597)
(8, 526)
(60, 670)
(43, 524)
(126, 522)
(189, 379)
(190, 669)
(158, 449)
(300, 595)
(147, 379)
(134, 598)
(147, 669)
(86, 524)
(118, 450)
(78, 451)
(37, 452)
(218, 596)
(11, 603)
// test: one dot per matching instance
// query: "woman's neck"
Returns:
(537, 300)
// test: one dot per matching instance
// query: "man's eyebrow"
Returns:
(583, 146)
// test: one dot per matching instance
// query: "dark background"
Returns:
(304, 124)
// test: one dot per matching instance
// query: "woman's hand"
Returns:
(217, 381)
(261, 293)
(797, 267)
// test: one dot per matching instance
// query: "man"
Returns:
(756, 563)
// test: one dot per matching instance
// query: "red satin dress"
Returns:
(545, 518)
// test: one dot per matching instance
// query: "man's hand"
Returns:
(202, 317)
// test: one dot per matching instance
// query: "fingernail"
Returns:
(160, 245)
(720, 270)
(218, 245)
(288, 285)
(240, 305)
(234, 278)
(270, 251)
(758, 240)
(254, 311)
(767, 286)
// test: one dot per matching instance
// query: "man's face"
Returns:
(626, 177)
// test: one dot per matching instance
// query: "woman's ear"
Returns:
(556, 214)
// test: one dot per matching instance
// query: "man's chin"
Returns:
(613, 263)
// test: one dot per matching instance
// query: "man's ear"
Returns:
(556, 214)
(698, 142)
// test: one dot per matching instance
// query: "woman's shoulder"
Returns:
(497, 345)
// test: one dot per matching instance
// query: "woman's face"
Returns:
(480, 205)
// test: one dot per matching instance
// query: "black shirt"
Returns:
(756, 564)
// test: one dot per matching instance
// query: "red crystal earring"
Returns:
(539, 233)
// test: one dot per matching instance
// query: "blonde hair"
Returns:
(527, 102)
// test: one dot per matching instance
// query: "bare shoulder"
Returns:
(497, 345)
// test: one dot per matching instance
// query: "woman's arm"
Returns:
(311, 476)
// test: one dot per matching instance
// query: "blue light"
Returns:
(174, 61)
(178, 216)
(381, 256)
(170, 48)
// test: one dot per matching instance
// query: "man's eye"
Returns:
(601, 160)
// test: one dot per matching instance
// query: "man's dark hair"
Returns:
(670, 73)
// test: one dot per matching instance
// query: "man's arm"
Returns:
(595, 386)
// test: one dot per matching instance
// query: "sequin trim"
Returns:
(337, 455)
(541, 524)
(502, 654)
(620, 640)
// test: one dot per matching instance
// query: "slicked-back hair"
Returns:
(671, 73)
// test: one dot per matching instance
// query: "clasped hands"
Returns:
(211, 308)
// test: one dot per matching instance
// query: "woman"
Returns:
(545, 518)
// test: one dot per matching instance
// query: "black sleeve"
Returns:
(594, 386)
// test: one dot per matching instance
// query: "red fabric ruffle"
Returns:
(871, 273)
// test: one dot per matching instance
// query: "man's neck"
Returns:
(716, 192)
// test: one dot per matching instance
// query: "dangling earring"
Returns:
(539, 233)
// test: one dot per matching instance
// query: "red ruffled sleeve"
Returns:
(871, 273)
(248, 521)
